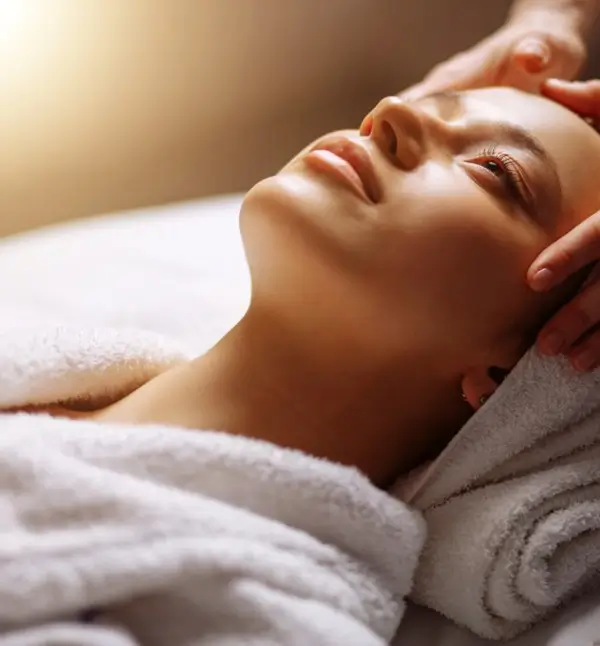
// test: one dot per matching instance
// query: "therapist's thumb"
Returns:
(575, 250)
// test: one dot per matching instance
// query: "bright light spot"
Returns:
(26, 27)
(16, 20)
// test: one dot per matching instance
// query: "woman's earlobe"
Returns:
(478, 386)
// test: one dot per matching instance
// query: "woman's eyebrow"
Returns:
(550, 189)
(521, 138)
(449, 104)
(510, 134)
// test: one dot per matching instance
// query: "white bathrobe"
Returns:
(121, 535)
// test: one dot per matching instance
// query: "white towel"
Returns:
(173, 536)
(513, 503)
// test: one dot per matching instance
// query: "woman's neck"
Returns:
(309, 388)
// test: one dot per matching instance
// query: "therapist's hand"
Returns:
(578, 248)
(522, 54)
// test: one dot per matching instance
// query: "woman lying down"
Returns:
(388, 290)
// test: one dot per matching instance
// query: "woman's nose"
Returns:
(397, 128)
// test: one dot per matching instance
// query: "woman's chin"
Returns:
(293, 215)
(302, 198)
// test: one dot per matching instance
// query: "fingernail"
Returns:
(542, 280)
(583, 361)
(552, 343)
(558, 82)
(538, 50)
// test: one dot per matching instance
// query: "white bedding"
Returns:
(180, 270)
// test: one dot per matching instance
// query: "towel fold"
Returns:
(115, 534)
(513, 503)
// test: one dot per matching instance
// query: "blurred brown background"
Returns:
(113, 104)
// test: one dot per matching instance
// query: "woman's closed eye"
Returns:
(505, 171)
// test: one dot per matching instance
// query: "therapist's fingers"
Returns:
(581, 97)
(575, 322)
(451, 77)
(466, 70)
(572, 252)
(586, 356)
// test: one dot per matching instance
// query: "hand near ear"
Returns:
(573, 330)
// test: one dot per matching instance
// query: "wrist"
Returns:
(575, 16)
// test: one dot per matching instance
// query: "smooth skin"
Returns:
(368, 317)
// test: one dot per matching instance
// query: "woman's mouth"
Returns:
(349, 162)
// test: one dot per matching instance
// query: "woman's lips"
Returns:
(348, 161)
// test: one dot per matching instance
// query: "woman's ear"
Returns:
(479, 384)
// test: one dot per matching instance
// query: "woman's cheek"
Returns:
(477, 247)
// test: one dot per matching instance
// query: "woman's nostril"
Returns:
(390, 137)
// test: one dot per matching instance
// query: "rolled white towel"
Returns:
(513, 504)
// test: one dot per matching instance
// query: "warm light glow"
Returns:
(34, 35)
(17, 23)
(23, 35)
(14, 16)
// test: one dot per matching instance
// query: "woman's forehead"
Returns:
(558, 129)
(536, 114)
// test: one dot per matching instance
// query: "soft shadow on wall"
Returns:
(116, 104)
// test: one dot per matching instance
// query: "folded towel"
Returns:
(513, 503)
(115, 534)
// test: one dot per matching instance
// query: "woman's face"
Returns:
(431, 213)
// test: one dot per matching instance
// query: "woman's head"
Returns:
(428, 241)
